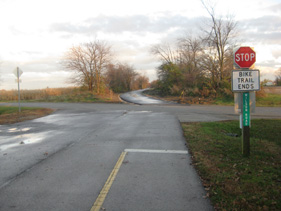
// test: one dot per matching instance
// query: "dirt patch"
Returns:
(24, 115)
(272, 89)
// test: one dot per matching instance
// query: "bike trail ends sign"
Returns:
(245, 81)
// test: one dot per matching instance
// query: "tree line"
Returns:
(193, 65)
(92, 66)
(198, 65)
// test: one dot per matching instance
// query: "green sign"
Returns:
(246, 109)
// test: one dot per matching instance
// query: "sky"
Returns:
(35, 34)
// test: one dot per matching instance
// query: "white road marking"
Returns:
(157, 151)
(99, 201)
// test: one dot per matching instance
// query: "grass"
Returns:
(84, 96)
(71, 94)
(13, 110)
(269, 100)
(232, 181)
(224, 101)
(10, 115)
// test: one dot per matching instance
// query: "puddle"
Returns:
(25, 139)
(14, 130)
(8, 146)
(141, 112)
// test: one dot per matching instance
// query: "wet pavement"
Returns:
(62, 162)
(137, 97)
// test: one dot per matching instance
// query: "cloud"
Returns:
(275, 8)
(277, 53)
(263, 37)
(266, 29)
(38, 50)
(121, 24)
(269, 63)
(265, 23)
(35, 76)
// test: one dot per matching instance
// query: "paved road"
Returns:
(192, 113)
(137, 97)
(62, 161)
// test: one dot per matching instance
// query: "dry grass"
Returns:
(26, 114)
(71, 94)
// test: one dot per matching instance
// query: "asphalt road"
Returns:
(135, 155)
(137, 97)
(62, 162)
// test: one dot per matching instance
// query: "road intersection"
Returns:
(135, 157)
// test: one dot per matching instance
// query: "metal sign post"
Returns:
(18, 73)
(244, 82)
(246, 124)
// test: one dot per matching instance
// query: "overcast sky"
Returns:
(34, 34)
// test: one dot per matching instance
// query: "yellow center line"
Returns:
(99, 201)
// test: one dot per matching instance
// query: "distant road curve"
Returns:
(137, 97)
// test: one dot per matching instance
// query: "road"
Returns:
(137, 97)
(135, 155)
(62, 161)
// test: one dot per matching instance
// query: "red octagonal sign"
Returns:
(245, 57)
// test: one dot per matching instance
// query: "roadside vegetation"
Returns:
(10, 115)
(232, 181)
(196, 68)
(93, 67)
(262, 99)
(269, 100)
(72, 94)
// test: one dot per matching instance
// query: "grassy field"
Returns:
(75, 94)
(269, 100)
(232, 181)
(83, 97)
(71, 94)
(9, 115)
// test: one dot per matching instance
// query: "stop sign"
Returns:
(245, 57)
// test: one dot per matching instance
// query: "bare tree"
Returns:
(88, 61)
(141, 82)
(278, 77)
(219, 36)
(121, 77)
(165, 53)
(190, 53)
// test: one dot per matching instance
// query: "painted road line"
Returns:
(99, 201)
(157, 151)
